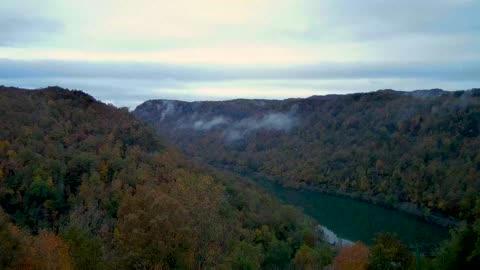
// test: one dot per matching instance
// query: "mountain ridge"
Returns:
(89, 186)
(359, 143)
(417, 92)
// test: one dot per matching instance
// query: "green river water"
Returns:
(359, 221)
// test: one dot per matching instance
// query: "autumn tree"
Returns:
(245, 256)
(92, 187)
(152, 231)
(49, 252)
(85, 249)
(389, 253)
(353, 257)
(462, 250)
(312, 258)
(10, 245)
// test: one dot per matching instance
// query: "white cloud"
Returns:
(248, 32)
(209, 124)
(246, 55)
(216, 49)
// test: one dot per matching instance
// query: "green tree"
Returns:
(462, 250)
(10, 245)
(278, 256)
(308, 258)
(85, 249)
(389, 253)
(245, 256)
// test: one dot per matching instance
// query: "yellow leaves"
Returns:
(364, 183)
(152, 223)
(50, 181)
(11, 154)
(263, 235)
(304, 258)
(116, 233)
(28, 132)
(185, 212)
(442, 204)
(312, 258)
(4, 145)
(104, 171)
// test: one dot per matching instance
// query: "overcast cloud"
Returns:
(125, 52)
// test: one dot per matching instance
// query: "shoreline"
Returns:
(404, 207)
(332, 238)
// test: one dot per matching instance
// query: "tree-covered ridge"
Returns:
(84, 185)
(414, 150)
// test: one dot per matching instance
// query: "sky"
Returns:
(125, 52)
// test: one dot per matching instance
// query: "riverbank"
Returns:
(406, 207)
(330, 237)
(352, 219)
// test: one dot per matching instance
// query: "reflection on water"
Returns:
(358, 221)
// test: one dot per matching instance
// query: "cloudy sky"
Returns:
(124, 52)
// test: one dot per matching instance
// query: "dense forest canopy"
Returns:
(85, 185)
(412, 150)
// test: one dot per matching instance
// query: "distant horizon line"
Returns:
(58, 87)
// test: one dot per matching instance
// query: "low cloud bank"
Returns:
(275, 121)
(206, 125)
(232, 130)
(169, 110)
(270, 121)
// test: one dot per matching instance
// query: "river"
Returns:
(358, 221)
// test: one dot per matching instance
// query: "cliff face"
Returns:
(387, 146)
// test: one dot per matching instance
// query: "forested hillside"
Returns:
(418, 151)
(413, 150)
(84, 185)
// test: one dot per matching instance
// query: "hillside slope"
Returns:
(85, 185)
(413, 150)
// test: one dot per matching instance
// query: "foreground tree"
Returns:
(462, 250)
(308, 258)
(352, 258)
(85, 249)
(49, 252)
(389, 253)
(10, 245)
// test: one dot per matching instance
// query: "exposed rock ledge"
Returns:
(332, 238)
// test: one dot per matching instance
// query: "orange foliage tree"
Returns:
(49, 252)
(352, 258)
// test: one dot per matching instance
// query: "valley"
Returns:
(414, 151)
(94, 193)
(240, 135)
(358, 221)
